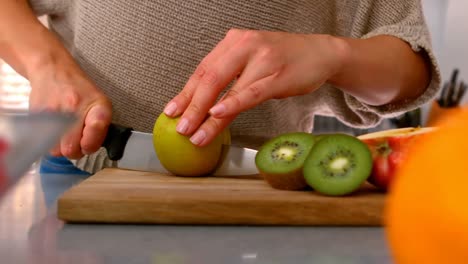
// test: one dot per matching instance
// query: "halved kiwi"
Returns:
(280, 160)
(337, 165)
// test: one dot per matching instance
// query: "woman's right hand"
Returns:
(66, 88)
(57, 82)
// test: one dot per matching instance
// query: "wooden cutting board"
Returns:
(120, 196)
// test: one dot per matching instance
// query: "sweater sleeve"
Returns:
(47, 7)
(405, 20)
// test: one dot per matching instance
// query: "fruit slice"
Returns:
(397, 132)
(179, 156)
(389, 150)
(337, 165)
(280, 160)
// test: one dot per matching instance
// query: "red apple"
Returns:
(389, 150)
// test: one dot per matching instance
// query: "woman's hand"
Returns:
(264, 65)
(57, 82)
(67, 89)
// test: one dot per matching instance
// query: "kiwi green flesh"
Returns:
(337, 165)
(285, 153)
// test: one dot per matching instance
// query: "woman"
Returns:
(277, 64)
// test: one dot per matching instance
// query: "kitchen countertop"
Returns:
(31, 233)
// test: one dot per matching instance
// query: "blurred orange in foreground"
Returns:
(427, 208)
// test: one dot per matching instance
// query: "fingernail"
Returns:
(182, 127)
(170, 109)
(218, 109)
(198, 137)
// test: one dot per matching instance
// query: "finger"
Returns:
(96, 123)
(70, 143)
(240, 99)
(55, 151)
(264, 66)
(209, 130)
(180, 103)
(217, 77)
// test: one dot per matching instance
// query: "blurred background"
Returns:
(446, 21)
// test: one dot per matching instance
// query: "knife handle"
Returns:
(115, 141)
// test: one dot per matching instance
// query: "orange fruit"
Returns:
(426, 214)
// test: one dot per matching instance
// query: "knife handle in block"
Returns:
(116, 139)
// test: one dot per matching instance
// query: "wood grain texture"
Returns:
(120, 196)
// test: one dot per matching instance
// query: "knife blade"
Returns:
(25, 136)
(133, 150)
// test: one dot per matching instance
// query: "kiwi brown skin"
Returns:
(281, 176)
(293, 181)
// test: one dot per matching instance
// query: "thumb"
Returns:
(96, 122)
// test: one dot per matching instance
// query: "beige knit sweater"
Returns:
(141, 53)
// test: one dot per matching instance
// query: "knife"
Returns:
(133, 150)
(25, 136)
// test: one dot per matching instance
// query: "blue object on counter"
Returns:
(59, 165)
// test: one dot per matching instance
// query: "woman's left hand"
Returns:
(264, 65)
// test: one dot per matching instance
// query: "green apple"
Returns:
(180, 156)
